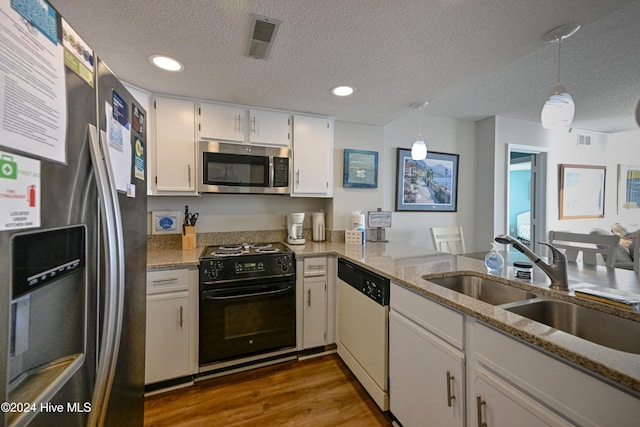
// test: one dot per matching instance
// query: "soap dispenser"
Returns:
(494, 261)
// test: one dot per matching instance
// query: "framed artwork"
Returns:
(360, 169)
(427, 185)
(166, 222)
(628, 189)
(582, 191)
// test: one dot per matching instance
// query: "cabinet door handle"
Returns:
(189, 174)
(479, 404)
(298, 177)
(450, 396)
(181, 316)
(253, 125)
(239, 127)
(308, 297)
(168, 279)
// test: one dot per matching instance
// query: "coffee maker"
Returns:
(295, 234)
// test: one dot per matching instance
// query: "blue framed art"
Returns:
(429, 185)
(360, 169)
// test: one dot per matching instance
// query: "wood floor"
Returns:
(315, 392)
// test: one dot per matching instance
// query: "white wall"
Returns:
(442, 135)
(347, 200)
(605, 150)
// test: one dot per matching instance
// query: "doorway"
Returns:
(526, 195)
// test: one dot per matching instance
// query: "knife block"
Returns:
(189, 238)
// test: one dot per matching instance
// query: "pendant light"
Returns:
(419, 148)
(559, 109)
(638, 113)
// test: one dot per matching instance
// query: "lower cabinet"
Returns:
(497, 403)
(315, 301)
(169, 328)
(446, 368)
(426, 376)
(509, 376)
(314, 315)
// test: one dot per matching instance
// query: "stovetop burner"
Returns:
(243, 249)
(229, 248)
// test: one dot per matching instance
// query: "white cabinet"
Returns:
(315, 313)
(312, 157)
(237, 124)
(314, 307)
(176, 166)
(550, 390)
(222, 122)
(168, 346)
(496, 403)
(426, 373)
(269, 128)
(498, 380)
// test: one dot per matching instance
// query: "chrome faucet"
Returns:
(557, 270)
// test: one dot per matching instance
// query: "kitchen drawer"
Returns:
(315, 267)
(159, 281)
(436, 318)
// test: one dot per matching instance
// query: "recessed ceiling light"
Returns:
(166, 63)
(342, 90)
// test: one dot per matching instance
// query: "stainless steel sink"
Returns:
(486, 290)
(592, 325)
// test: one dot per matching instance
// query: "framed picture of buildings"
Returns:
(582, 191)
(429, 185)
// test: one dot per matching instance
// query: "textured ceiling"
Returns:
(470, 59)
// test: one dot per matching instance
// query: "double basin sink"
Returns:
(592, 325)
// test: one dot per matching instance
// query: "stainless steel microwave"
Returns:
(243, 168)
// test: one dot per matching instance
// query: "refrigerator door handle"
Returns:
(114, 275)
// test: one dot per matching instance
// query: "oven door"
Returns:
(246, 319)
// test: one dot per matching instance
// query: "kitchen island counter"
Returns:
(407, 265)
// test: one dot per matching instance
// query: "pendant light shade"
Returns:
(559, 109)
(419, 147)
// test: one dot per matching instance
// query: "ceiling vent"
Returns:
(584, 140)
(263, 31)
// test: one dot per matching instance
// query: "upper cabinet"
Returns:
(269, 128)
(222, 122)
(175, 126)
(236, 124)
(312, 157)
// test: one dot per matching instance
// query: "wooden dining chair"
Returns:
(448, 239)
(590, 245)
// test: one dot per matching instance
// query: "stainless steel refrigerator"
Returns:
(73, 258)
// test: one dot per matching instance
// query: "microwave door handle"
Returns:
(271, 172)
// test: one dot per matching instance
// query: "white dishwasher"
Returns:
(363, 328)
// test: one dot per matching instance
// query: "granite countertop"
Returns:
(407, 265)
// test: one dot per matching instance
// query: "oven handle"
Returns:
(256, 294)
(220, 282)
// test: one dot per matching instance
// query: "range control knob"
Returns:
(212, 274)
(285, 267)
